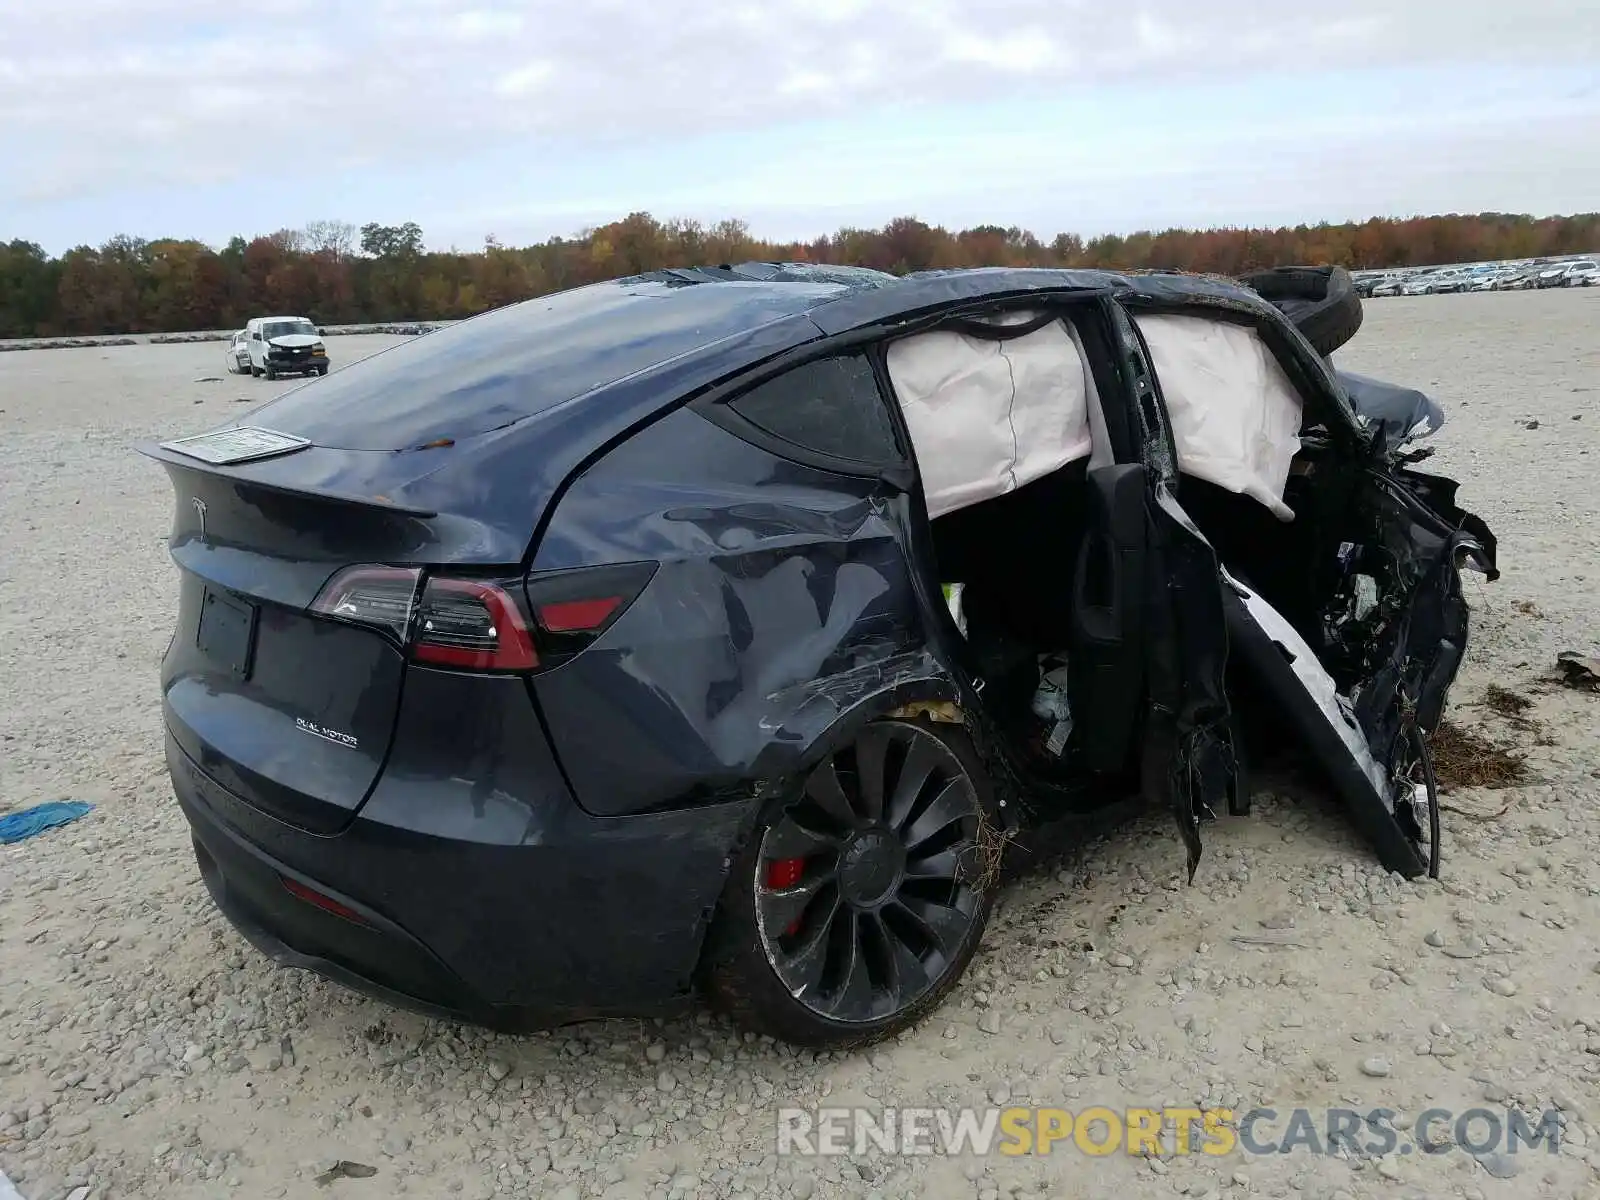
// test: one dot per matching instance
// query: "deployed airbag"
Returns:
(989, 415)
(1235, 415)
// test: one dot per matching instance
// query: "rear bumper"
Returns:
(531, 922)
(378, 959)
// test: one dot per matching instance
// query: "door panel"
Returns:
(1329, 726)
(1108, 603)
(1190, 762)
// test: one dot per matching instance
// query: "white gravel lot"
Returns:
(147, 1051)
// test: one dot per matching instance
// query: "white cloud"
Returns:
(130, 93)
(1024, 52)
(806, 82)
(479, 24)
(524, 81)
(1157, 38)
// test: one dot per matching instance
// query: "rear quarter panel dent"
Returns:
(784, 593)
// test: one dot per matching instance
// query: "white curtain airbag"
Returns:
(987, 417)
(1235, 415)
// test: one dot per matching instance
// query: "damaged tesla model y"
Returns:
(716, 631)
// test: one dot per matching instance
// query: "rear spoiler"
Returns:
(162, 453)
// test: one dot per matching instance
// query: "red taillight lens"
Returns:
(383, 597)
(574, 607)
(473, 625)
(484, 624)
(578, 616)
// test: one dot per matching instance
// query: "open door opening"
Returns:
(1342, 596)
(1038, 540)
(1048, 585)
(1089, 607)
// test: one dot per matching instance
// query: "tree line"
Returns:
(338, 274)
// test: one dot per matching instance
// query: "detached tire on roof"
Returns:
(1321, 301)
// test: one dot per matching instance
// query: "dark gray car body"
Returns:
(551, 845)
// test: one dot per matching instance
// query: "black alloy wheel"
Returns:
(864, 897)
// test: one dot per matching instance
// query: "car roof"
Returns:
(515, 362)
(483, 422)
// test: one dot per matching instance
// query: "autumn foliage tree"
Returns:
(336, 273)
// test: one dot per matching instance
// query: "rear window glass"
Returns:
(831, 406)
(516, 361)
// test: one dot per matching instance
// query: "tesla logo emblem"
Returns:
(200, 511)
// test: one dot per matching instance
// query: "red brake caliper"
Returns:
(783, 874)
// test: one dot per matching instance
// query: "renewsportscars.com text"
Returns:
(1163, 1131)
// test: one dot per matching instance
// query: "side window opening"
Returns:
(991, 405)
(831, 406)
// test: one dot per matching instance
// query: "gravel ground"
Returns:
(147, 1051)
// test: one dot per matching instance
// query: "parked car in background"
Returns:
(1552, 275)
(285, 346)
(597, 651)
(1430, 283)
(1378, 283)
(1584, 273)
(237, 355)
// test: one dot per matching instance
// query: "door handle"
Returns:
(1099, 617)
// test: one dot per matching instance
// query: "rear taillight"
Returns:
(485, 624)
(578, 616)
(573, 608)
(382, 597)
(472, 625)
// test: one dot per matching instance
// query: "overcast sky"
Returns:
(183, 118)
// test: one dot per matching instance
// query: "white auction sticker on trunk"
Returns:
(244, 443)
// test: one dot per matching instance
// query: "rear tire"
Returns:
(855, 906)
(1321, 301)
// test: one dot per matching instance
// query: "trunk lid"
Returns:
(291, 711)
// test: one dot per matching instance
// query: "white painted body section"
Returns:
(1235, 415)
(1316, 680)
(987, 417)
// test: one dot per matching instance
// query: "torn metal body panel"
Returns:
(1326, 722)
(722, 629)
(1389, 643)
(1401, 414)
(1192, 765)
